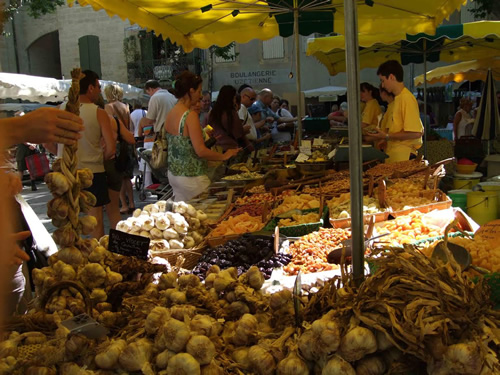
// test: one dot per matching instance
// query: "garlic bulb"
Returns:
(212, 369)
(204, 325)
(92, 275)
(64, 271)
(383, 342)
(76, 344)
(57, 182)
(162, 223)
(70, 255)
(463, 358)
(170, 234)
(201, 348)
(162, 205)
(223, 280)
(173, 335)
(328, 332)
(98, 295)
(144, 233)
(188, 242)
(85, 176)
(39, 370)
(261, 361)
(209, 280)
(112, 277)
(176, 244)
(240, 356)
(280, 299)
(183, 364)
(163, 358)
(292, 365)
(137, 212)
(58, 208)
(156, 233)
(57, 303)
(371, 365)
(357, 343)
(148, 224)
(167, 281)
(337, 366)
(155, 319)
(137, 356)
(182, 312)
(87, 224)
(188, 280)
(177, 297)
(98, 254)
(159, 245)
(245, 332)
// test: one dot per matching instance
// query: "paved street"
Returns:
(38, 201)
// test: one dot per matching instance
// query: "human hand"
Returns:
(246, 128)
(231, 152)
(46, 125)
(18, 256)
(378, 134)
(270, 119)
(266, 137)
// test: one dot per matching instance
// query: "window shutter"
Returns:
(273, 48)
(90, 54)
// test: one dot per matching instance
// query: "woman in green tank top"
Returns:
(187, 153)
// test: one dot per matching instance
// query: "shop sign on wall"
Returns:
(258, 77)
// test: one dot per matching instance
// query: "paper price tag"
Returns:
(317, 142)
(332, 154)
(301, 158)
(305, 144)
(85, 325)
(305, 150)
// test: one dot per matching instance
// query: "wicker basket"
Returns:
(190, 256)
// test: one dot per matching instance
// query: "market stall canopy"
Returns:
(325, 91)
(201, 24)
(465, 71)
(24, 107)
(44, 89)
(449, 43)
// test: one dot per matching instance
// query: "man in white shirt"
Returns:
(160, 104)
(137, 114)
(248, 96)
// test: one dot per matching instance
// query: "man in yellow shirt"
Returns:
(404, 135)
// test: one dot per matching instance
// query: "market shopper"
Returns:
(386, 122)
(404, 136)
(160, 104)
(339, 117)
(187, 153)
(135, 117)
(91, 153)
(371, 113)
(120, 111)
(206, 106)
(463, 121)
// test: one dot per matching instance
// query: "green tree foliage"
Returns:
(484, 8)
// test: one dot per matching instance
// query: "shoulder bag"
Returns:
(159, 151)
(122, 158)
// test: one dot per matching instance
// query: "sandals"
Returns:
(125, 211)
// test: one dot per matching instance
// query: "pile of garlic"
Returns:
(184, 228)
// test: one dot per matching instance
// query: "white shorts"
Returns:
(186, 188)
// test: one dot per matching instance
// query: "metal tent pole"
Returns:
(355, 152)
(425, 98)
(296, 35)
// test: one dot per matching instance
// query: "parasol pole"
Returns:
(355, 154)
(425, 97)
(296, 36)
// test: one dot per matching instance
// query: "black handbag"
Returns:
(122, 157)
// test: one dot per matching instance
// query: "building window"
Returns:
(90, 55)
(231, 54)
(273, 48)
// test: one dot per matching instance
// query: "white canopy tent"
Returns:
(325, 91)
(43, 89)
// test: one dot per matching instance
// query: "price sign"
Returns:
(85, 325)
(332, 153)
(301, 158)
(128, 244)
(490, 232)
(305, 144)
(317, 142)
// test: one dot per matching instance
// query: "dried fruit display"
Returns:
(309, 253)
(240, 224)
(340, 207)
(300, 202)
(395, 169)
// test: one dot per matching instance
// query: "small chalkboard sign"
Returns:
(128, 244)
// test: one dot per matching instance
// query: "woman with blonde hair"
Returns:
(119, 110)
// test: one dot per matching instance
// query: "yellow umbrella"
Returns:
(465, 71)
(449, 43)
(203, 23)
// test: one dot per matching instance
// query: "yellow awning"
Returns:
(202, 23)
(465, 71)
(450, 43)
